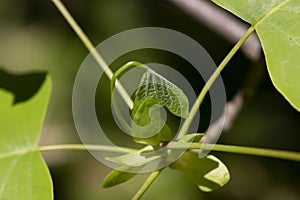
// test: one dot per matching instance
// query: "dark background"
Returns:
(34, 37)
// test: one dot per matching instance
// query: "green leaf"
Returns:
(277, 23)
(116, 177)
(208, 173)
(149, 126)
(23, 172)
(153, 93)
(163, 92)
(133, 159)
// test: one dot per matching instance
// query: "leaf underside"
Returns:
(277, 23)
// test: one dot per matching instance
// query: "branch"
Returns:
(222, 22)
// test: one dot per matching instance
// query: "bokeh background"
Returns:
(35, 37)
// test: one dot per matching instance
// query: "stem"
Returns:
(88, 44)
(86, 147)
(187, 123)
(211, 80)
(146, 185)
(254, 151)
(272, 153)
(122, 69)
(116, 108)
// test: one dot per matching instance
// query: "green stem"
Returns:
(209, 83)
(146, 185)
(187, 123)
(122, 69)
(86, 147)
(254, 151)
(115, 106)
(88, 44)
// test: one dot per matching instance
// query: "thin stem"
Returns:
(187, 123)
(255, 151)
(87, 147)
(146, 185)
(122, 69)
(116, 108)
(272, 153)
(209, 83)
(88, 44)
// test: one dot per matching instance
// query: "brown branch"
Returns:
(222, 22)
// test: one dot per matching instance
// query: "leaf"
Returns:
(277, 23)
(208, 173)
(122, 174)
(163, 92)
(153, 93)
(23, 172)
(132, 160)
(149, 126)
(116, 177)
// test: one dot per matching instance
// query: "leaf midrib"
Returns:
(17, 152)
(269, 13)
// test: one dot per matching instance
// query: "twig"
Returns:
(222, 22)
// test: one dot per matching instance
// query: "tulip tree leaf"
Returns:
(208, 173)
(153, 93)
(277, 23)
(23, 172)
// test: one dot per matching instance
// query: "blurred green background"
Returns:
(34, 36)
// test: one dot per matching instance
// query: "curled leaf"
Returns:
(153, 93)
(208, 173)
(163, 92)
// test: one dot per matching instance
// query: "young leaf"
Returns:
(148, 126)
(277, 24)
(132, 160)
(155, 91)
(115, 177)
(23, 172)
(208, 173)
(163, 92)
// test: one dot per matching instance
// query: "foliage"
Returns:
(23, 172)
(277, 23)
(24, 100)
(155, 91)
